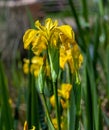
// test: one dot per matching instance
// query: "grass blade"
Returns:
(5, 107)
(92, 83)
(34, 105)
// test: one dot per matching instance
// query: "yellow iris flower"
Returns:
(72, 56)
(66, 35)
(51, 37)
(64, 93)
(36, 63)
(35, 66)
(40, 37)
(49, 34)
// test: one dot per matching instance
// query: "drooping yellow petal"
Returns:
(67, 31)
(28, 37)
(72, 56)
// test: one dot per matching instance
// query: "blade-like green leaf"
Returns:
(87, 100)
(34, 105)
(6, 115)
(92, 83)
(72, 112)
(107, 70)
(49, 122)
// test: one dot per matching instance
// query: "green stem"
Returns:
(46, 111)
(57, 105)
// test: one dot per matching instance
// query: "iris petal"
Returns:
(28, 37)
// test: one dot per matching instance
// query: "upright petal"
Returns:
(39, 26)
(49, 24)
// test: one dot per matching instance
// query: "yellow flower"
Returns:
(66, 35)
(70, 60)
(72, 56)
(52, 39)
(77, 56)
(66, 57)
(36, 63)
(35, 66)
(46, 35)
(64, 92)
(41, 37)
(29, 37)
(39, 45)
